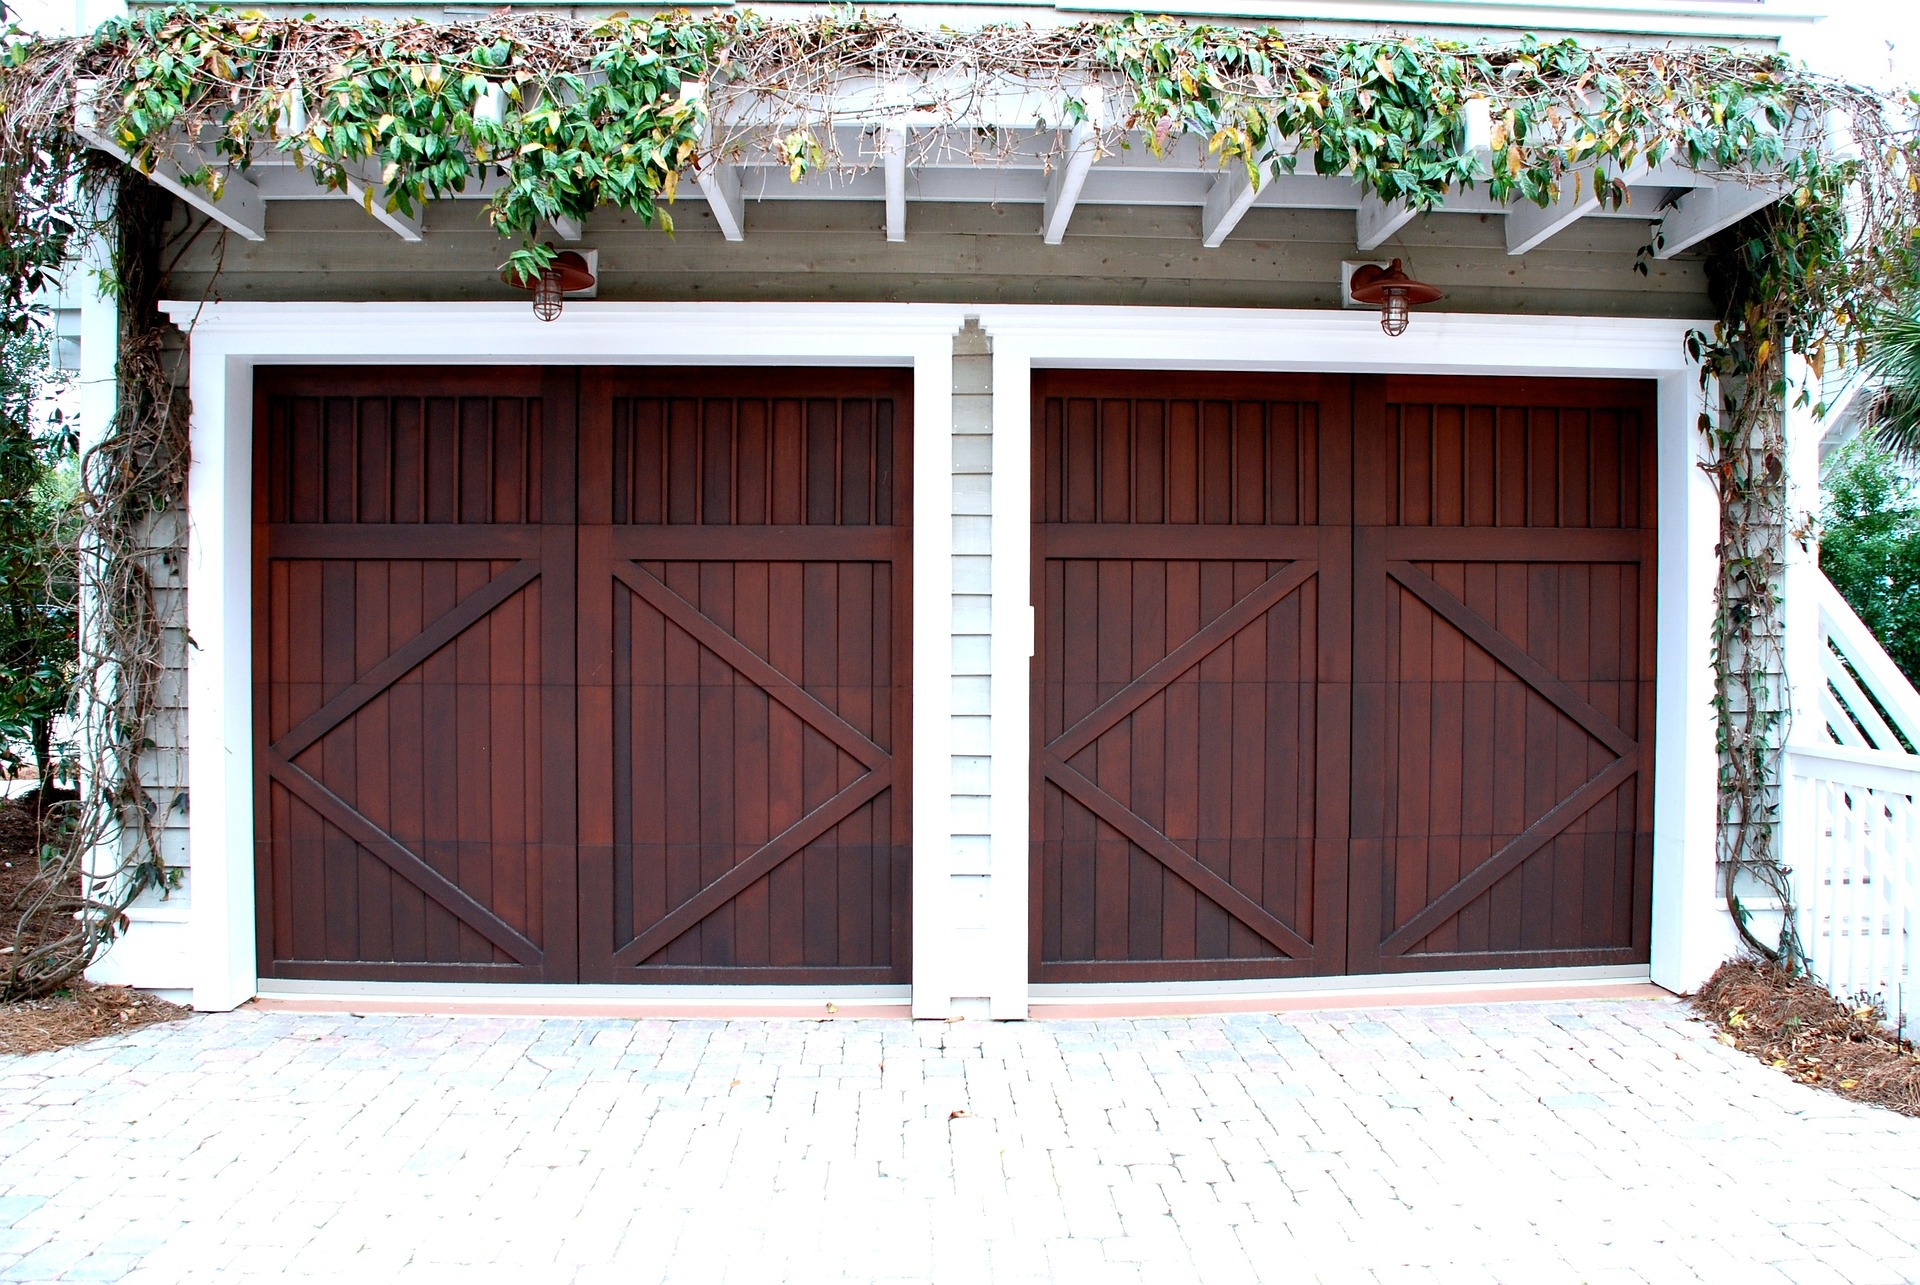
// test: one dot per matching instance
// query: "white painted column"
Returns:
(1692, 932)
(938, 960)
(220, 678)
(1801, 639)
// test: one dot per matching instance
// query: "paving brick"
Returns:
(1611, 1143)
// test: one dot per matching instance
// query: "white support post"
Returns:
(1691, 932)
(1801, 645)
(936, 968)
(1070, 175)
(239, 206)
(1377, 220)
(1706, 210)
(1530, 226)
(1011, 660)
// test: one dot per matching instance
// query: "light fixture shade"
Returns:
(1394, 291)
(567, 273)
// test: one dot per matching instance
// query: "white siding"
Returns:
(970, 853)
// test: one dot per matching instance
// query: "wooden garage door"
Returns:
(515, 724)
(1339, 675)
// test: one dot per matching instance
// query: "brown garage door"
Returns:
(574, 675)
(1339, 675)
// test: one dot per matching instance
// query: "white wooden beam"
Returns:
(567, 229)
(1706, 210)
(1228, 201)
(1376, 220)
(1530, 226)
(893, 157)
(239, 206)
(371, 195)
(1070, 175)
(720, 184)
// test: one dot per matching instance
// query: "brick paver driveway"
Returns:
(1534, 1143)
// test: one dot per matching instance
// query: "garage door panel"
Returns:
(750, 656)
(1503, 691)
(1182, 666)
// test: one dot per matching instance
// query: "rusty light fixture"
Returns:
(1393, 290)
(567, 273)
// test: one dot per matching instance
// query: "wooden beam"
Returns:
(239, 207)
(1228, 201)
(1530, 226)
(371, 195)
(567, 229)
(893, 157)
(1376, 220)
(720, 184)
(1706, 210)
(1070, 175)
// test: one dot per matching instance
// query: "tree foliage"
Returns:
(38, 624)
(1870, 545)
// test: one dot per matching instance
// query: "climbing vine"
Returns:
(558, 117)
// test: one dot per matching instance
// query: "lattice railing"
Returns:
(1850, 815)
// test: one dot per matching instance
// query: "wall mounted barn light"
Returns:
(567, 274)
(1392, 291)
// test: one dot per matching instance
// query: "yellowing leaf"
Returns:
(385, 121)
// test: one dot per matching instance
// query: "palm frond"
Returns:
(1893, 362)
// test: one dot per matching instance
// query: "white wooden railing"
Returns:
(1850, 811)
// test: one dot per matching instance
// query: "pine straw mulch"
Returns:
(79, 1011)
(1795, 1025)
